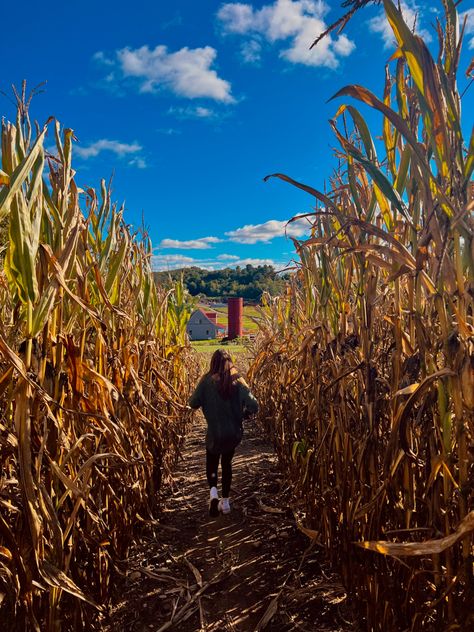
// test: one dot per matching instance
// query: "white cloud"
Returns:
(469, 31)
(251, 52)
(203, 112)
(187, 72)
(170, 262)
(139, 163)
(174, 258)
(299, 21)
(203, 243)
(101, 58)
(253, 233)
(173, 262)
(114, 146)
(343, 45)
(237, 17)
(412, 16)
(191, 112)
(255, 262)
(249, 234)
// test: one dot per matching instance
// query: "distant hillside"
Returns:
(248, 282)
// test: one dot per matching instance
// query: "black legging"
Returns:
(212, 465)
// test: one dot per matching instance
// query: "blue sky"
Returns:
(190, 104)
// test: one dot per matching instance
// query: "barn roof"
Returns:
(203, 313)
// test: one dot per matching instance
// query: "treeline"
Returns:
(248, 282)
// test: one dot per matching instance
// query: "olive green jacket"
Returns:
(224, 416)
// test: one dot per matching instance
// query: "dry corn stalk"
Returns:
(366, 365)
(93, 376)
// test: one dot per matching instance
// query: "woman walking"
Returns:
(226, 400)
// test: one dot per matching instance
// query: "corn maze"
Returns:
(94, 375)
(365, 368)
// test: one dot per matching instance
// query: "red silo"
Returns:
(235, 310)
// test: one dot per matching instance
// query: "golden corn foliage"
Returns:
(93, 377)
(365, 368)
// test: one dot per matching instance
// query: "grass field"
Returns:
(209, 346)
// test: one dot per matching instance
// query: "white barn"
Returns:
(203, 326)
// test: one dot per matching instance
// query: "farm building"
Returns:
(203, 326)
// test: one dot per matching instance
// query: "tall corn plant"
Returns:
(92, 411)
(373, 349)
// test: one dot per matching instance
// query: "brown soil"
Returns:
(249, 570)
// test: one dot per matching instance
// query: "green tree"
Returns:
(249, 281)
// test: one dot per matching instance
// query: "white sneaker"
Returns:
(213, 502)
(224, 505)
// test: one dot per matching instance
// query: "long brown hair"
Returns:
(224, 371)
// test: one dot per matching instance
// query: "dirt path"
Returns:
(238, 573)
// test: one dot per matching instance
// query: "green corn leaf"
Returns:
(408, 43)
(362, 128)
(19, 176)
(44, 306)
(52, 207)
(21, 254)
(361, 93)
(401, 89)
(353, 186)
(379, 178)
(469, 164)
(402, 173)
